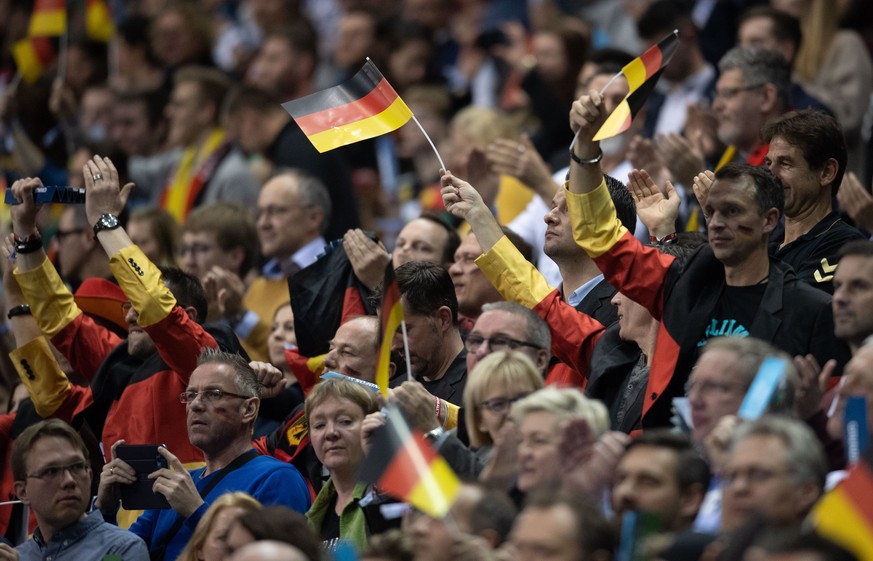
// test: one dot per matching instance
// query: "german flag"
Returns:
(845, 514)
(305, 369)
(49, 18)
(32, 56)
(403, 464)
(392, 317)
(363, 107)
(98, 21)
(642, 74)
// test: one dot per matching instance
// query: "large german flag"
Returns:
(49, 18)
(845, 514)
(392, 317)
(403, 464)
(363, 107)
(642, 74)
(33, 55)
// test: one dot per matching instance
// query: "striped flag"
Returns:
(642, 74)
(392, 317)
(98, 21)
(32, 56)
(403, 464)
(305, 369)
(49, 18)
(365, 106)
(845, 514)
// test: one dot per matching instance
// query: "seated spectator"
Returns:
(221, 404)
(156, 233)
(52, 473)
(274, 523)
(776, 469)
(335, 411)
(498, 380)
(393, 545)
(541, 418)
(209, 540)
(508, 326)
(569, 524)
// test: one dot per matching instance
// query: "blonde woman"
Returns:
(208, 543)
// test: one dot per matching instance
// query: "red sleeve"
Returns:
(179, 340)
(85, 344)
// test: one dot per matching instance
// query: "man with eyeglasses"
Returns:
(79, 255)
(221, 404)
(775, 469)
(52, 472)
(509, 326)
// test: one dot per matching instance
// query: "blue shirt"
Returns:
(270, 481)
(580, 293)
(88, 539)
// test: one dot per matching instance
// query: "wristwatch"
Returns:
(106, 222)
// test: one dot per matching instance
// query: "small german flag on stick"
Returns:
(365, 106)
(49, 18)
(392, 318)
(642, 75)
(32, 56)
(403, 464)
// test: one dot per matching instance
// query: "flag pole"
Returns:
(602, 90)
(406, 345)
(435, 151)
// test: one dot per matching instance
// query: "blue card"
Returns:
(763, 387)
(855, 428)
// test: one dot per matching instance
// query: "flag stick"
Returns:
(406, 344)
(435, 151)
(62, 56)
(14, 83)
(603, 89)
(10, 503)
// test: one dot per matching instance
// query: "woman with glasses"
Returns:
(496, 382)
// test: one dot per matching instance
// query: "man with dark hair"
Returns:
(430, 308)
(660, 472)
(568, 526)
(146, 372)
(219, 247)
(221, 405)
(204, 165)
(808, 154)
(50, 464)
(426, 238)
(729, 287)
(853, 294)
(775, 30)
(138, 125)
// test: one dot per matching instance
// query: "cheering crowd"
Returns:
(655, 346)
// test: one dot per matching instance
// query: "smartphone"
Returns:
(144, 459)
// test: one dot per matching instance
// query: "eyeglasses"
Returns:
(496, 343)
(275, 210)
(209, 396)
(76, 469)
(499, 405)
(752, 475)
(712, 387)
(195, 249)
(730, 93)
(61, 234)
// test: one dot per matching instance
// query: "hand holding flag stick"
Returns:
(363, 107)
(642, 75)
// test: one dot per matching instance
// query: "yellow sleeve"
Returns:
(53, 305)
(452, 412)
(596, 227)
(143, 284)
(512, 275)
(41, 374)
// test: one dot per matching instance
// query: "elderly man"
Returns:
(508, 325)
(52, 473)
(221, 405)
(776, 468)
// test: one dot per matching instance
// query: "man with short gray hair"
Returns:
(776, 468)
(221, 404)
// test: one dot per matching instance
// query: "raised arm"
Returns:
(463, 201)
(587, 115)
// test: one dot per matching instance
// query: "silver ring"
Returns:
(96, 177)
(521, 148)
(112, 470)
